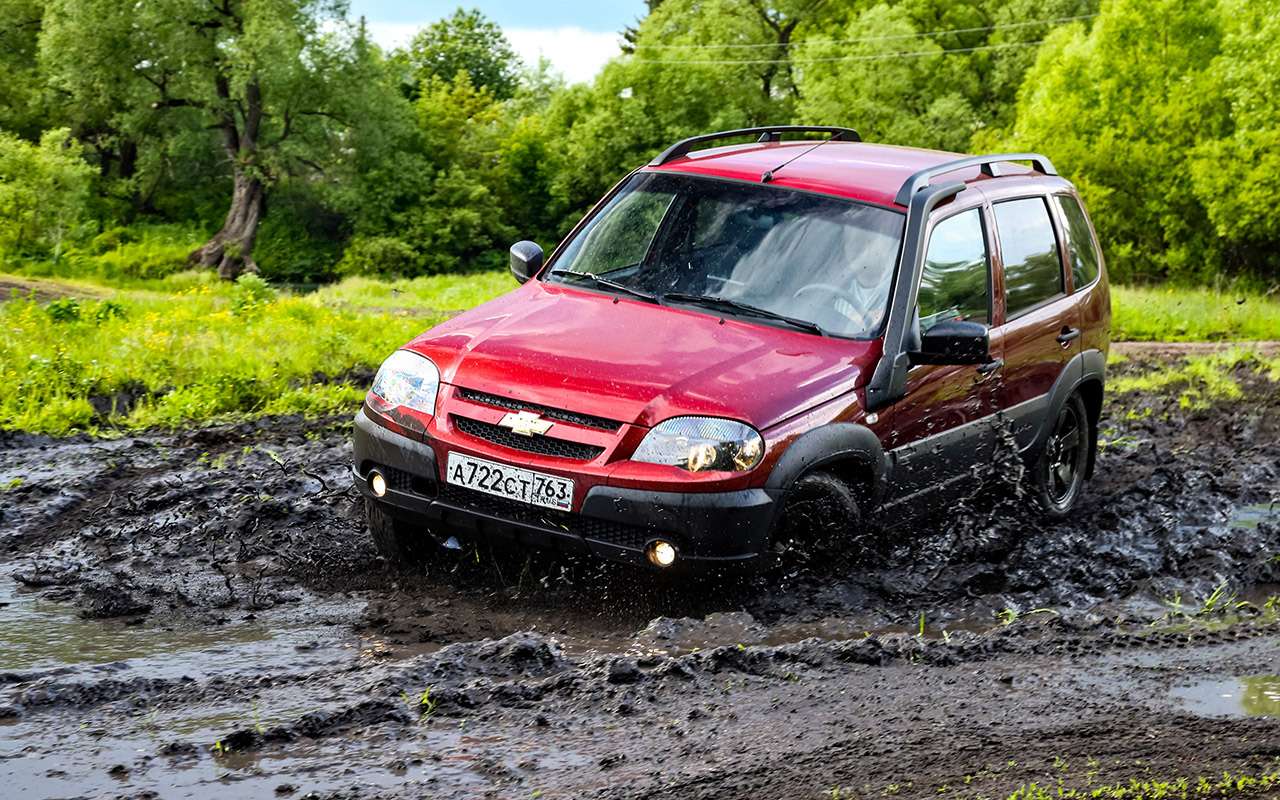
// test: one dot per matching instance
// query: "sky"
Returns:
(578, 36)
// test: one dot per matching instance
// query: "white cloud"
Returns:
(577, 53)
(390, 35)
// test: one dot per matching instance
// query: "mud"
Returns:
(199, 614)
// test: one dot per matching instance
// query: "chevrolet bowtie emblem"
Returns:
(525, 423)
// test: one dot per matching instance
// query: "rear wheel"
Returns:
(396, 539)
(1058, 477)
(821, 513)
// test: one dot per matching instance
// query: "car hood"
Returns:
(633, 361)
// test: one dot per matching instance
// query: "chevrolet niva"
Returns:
(739, 331)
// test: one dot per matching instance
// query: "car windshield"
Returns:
(755, 251)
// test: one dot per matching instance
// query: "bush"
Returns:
(379, 255)
(44, 190)
(250, 292)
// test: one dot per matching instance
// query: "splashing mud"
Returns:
(199, 613)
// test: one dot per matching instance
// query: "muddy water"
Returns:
(1246, 696)
(201, 615)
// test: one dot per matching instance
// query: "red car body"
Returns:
(584, 350)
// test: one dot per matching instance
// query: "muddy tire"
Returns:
(396, 539)
(1057, 480)
(821, 513)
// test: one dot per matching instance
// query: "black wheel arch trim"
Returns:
(830, 444)
(1084, 367)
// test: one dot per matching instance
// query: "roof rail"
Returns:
(769, 134)
(987, 164)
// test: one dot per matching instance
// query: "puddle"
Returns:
(1251, 696)
(37, 634)
(1253, 515)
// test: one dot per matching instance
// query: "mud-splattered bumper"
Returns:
(614, 523)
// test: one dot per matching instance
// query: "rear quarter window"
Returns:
(1081, 247)
(1029, 248)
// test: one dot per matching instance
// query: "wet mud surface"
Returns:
(200, 614)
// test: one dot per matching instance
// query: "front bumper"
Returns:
(614, 523)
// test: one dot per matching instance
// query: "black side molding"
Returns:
(988, 164)
(769, 134)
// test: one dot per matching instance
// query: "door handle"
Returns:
(1068, 335)
(991, 366)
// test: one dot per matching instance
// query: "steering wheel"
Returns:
(831, 289)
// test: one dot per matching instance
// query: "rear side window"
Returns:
(1080, 245)
(955, 282)
(1032, 267)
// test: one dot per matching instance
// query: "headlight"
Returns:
(408, 379)
(702, 443)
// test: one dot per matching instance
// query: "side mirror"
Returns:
(954, 342)
(526, 260)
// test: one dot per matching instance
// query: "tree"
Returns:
(277, 80)
(1119, 107)
(43, 189)
(466, 42)
(20, 86)
(1234, 175)
(878, 75)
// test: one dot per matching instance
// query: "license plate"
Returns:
(513, 483)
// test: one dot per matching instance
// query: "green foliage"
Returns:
(379, 255)
(465, 43)
(901, 100)
(43, 193)
(1171, 144)
(434, 159)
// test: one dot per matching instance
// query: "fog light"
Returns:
(377, 483)
(662, 554)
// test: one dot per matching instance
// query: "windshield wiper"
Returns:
(712, 301)
(599, 281)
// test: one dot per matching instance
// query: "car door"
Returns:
(1040, 332)
(941, 428)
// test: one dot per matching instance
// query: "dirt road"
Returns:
(200, 615)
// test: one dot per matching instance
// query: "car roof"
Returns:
(871, 173)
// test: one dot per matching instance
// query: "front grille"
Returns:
(600, 530)
(585, 420)
(542, 445)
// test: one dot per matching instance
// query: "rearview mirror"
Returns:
(526, 260)
(954, 341)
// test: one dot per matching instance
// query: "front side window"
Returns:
(808, 257)
(1080, 244)
(955, 283)
(1032, 267)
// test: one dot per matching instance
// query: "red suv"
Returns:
(738, 332)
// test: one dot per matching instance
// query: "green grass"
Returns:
(207, 353)
(1167, 314)
(1200, 380)
(1218, 786)
(435, 292)
(172, 347)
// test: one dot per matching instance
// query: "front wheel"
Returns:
(397, 539)
(1058, 476)
(821, 514)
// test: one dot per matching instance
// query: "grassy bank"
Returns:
(1167, 314)
(183, 348)
(125, 359)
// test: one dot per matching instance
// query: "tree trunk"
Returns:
(231, 249)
